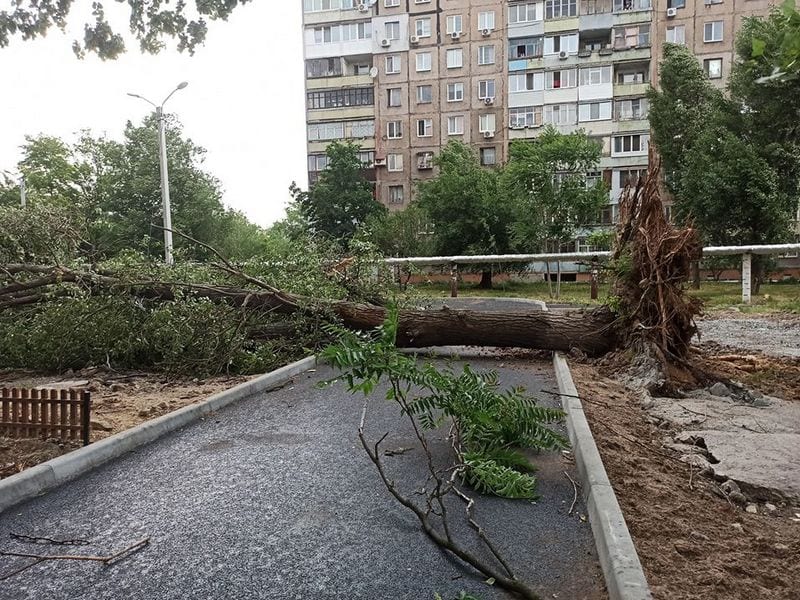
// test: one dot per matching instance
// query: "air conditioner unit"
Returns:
(414, 39)
(672, 12)
(562, 55)
(363, 7)
(386, 43)
(379, 162)
(456, 35)
(487, 32)
(516, 126)
(488, 100)
(488, 134)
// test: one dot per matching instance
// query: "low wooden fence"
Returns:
(30, 413)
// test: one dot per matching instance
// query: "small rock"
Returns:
(737, 498)
(98, 425)
(752, 509)
(720, 389)
(144, 413)
(781, 548)
(738, 527)
(696, 535)
(729, 487)
(117, 387)
(163, 405)
(770, 507)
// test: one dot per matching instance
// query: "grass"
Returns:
(773, 297)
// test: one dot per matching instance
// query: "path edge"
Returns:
(50, 474)
(619, 560)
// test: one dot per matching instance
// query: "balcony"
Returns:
(321, 83)
(631, 89)
(631, 125)
(568, 24)
(632, 52)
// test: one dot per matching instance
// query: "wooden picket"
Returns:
(30, 413)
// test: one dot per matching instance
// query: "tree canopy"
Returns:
(545, 178)
(150, 22)
(342, 200)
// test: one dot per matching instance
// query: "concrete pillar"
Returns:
(746, 277)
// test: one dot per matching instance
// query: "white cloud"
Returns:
(244, 104)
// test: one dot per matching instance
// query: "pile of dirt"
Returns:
(692, 541)
(120, 400)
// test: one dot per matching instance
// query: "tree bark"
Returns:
(486, 280)
(696, 274)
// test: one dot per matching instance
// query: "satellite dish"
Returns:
(373, 72)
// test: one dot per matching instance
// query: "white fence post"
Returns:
(746, 277)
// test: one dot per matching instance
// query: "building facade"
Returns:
(403, 77)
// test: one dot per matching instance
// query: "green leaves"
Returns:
(490, 424)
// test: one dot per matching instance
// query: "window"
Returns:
(421, 1)
(392, 64)
(486, 55)
(424, 127)
(596, 76)
(361, 69)
(392, 30)
(713, 67)
(455, 58)
(422, 27)
(486, 123)
(488, 156)
(676, 34)
(628, 144)
(394, 162)
(455, 92)
(639, 74)
(320, 5)
(556, 9)
(561, 43)
(345, 32)
(630, 37)
(396, 194)
(595, 111)
(360, 129)
(676, 3)
(394, 130)
(526, 116)
(423, 61)
(560, 114)
(593, 179)
(712, 32)
(391, 3)
(340, 98)
(393, 96)
(323, 67)
(635, 108)
(554, 80)
(454, 24)
(524, 13)
(486, 89)
(526, 48)
(424, 160)
(620, 5)
(629, 177)
(317, 162)
(424, 94)
(526, 82)
(325, 131)
(455, 125)
(486, 20)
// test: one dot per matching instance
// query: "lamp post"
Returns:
(162, 156)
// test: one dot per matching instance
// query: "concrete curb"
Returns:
(45, 476)
(623, 572)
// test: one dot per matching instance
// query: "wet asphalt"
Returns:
(273, 497)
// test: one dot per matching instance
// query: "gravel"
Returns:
(274, 498)
(773, 335)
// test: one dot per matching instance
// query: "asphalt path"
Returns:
(273, 497)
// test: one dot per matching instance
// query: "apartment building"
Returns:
(403, 77)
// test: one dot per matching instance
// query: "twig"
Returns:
(103, 559)
(21, 569)
(37, 539)
(574, 490)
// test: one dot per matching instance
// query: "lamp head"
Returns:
(182, 85)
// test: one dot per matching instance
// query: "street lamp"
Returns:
(162, 155)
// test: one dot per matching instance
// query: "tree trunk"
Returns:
(486, 280)
(696, 275)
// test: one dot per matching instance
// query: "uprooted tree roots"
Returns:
(652, 263)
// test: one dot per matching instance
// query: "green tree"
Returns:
(546, 181)
(151, 22)
(776, 47)
(342, 200)
(468, 213)
(403, 233)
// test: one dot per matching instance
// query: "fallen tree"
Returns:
(650, 310)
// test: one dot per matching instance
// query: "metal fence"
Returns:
(746, 252)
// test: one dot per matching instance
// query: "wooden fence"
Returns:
(29, 413)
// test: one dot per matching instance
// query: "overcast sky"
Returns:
(244, 104)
